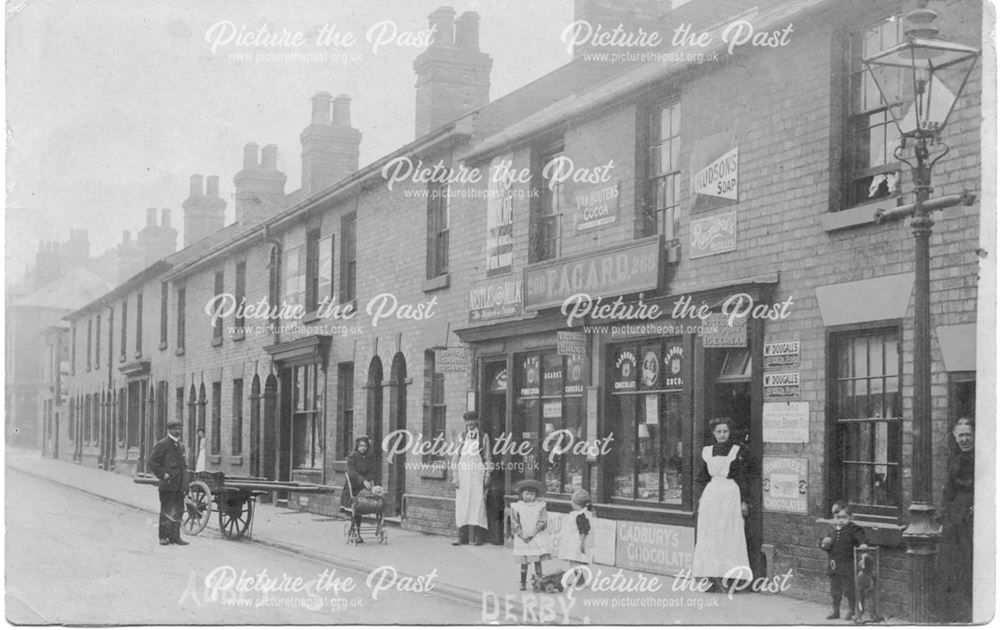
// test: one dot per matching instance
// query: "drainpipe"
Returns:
(274, 279)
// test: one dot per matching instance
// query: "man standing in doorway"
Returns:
(168, 464)
(469, 467)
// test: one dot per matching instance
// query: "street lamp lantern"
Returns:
(921, 79)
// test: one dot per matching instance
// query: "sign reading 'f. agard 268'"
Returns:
(629, 269)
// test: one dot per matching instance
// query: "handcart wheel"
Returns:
(197, 508)
(235, 515)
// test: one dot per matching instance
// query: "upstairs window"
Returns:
(164, 305)
(349, 257)
(293, 276)
(240, 293)
(546, 226)
(97, 342)
(138, 324)
(181, 298)
(664, 183)
(319, 270)
(220, 287)
(871, 170)
(437, 230)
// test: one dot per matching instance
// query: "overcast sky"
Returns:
(110, 112)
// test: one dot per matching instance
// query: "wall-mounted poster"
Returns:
(715, 172)
(786, 484)
(713, 235)
(499, 222)
(596, 204)
(786, 422)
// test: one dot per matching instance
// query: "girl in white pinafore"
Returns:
(721, 547)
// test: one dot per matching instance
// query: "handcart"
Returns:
(234, 499)
(866, 584)
(365, 517)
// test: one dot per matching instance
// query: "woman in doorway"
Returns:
(955, 555)
(720, 551)
(470, 464)
(362, 473)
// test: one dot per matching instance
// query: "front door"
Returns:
(493, 421)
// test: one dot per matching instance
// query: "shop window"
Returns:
(345, 409)
(550, 414)
(216, 441)
(735, 367)
(437, 229)
(546, 225)
(868, 421)
(648, 422)
(663, 184)
(307, 438)
(871, 170)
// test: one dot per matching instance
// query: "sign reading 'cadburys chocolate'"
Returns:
(629, 269)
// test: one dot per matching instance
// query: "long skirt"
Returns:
(721, 547)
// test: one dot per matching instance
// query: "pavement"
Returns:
(484, 576)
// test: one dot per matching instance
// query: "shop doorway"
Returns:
(493, 421)
(728, 394)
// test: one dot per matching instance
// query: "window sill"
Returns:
(433, 470)
(121, 358)
(311, 316)
(235, 460)
(239, 336)
(353, 303)
(163, 345)
(856, 216)
(216, 342)
(179, 352)
(214, 459)
(436, 284)
(138, 354)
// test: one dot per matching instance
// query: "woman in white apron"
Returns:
(721, 547)
(470, 482)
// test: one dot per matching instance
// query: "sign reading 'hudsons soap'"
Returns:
(629, 269)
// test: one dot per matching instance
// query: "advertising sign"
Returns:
(499, 223)
(495, 299)
(717, 333)
(570, 343)
(453, 360)
(781, 355)
(715, 171)
(597, 206)
(628, 269)
(665, 549)
(713, 235)
(786, 422)
(786, 484)
(781, 385)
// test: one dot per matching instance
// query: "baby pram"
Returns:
(365, 511)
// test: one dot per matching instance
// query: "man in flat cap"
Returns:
(168, 464)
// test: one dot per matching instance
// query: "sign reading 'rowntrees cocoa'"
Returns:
(628, 269)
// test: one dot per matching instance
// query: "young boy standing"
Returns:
(839, 543)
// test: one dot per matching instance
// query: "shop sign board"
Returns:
(781, 355)
(781, 385)
(664, 549)
(713, 235)
(451, 360)
(571, 343)
(597, 206)
(495, 299)
(628, 269)
(786, 422)
(786, 484)
(717, 332)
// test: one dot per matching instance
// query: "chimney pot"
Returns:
(150, 217)
(213, 185)
(269, 157)
(442, 20)
(196, 186)
(467, 31)
(321, 108)
(250, 155)
(165, 217)
(342, 111)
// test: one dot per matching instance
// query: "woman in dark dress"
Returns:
(720, 550)
(955, 553)
(362, 471)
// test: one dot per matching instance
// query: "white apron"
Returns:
(199, 465)
(721, 545)
(470, 501)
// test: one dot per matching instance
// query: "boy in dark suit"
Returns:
(168, 464)
(839, 543)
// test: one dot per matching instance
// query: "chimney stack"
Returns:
(260, 186)
(150, 217)
(453, 75)
(165, 217)
(330, 145)
(203, 214)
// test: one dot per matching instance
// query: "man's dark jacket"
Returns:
(168, 457)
